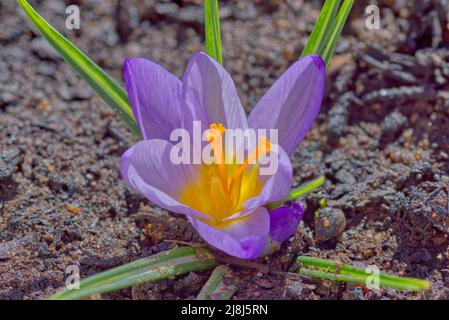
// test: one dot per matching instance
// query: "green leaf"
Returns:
(159, 266)
(212, 27)
(328, 28)
(306, 188)
(106, 87)
(220, 286)
(317, 39)
(317, 268)
(303, 189)
(331, 41)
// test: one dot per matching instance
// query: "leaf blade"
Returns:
(221, 285)
(327, 269)
(212, 30)
(110, 91)
(297, 192)
(317, 38)
(331, 41)
(159, 266)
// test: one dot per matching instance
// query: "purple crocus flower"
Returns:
(234, 221)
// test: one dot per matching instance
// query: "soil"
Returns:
(381, 140)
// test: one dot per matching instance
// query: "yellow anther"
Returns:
(221, 128)
(215, 131)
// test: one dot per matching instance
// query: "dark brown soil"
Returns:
(382, 140)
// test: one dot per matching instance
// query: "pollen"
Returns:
(215, 131)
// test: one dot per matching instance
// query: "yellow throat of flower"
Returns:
(221, 189)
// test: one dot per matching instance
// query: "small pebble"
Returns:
(393, 125)
(329, 223)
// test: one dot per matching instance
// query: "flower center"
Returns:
(222, 188)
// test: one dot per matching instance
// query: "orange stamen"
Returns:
(262, 148)
(215, 139)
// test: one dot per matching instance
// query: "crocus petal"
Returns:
(209, 95)
(293, 102)
(285, 220)
(244, 238)
(276, 186)
(148, 169)
(155, 97)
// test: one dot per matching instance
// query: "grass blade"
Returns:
(335, 33)
(159, 266)
(317, 268)
(212, 27)
(114, 95)
(317, 39)
(221, 285)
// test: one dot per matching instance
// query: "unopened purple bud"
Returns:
(284, 220)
